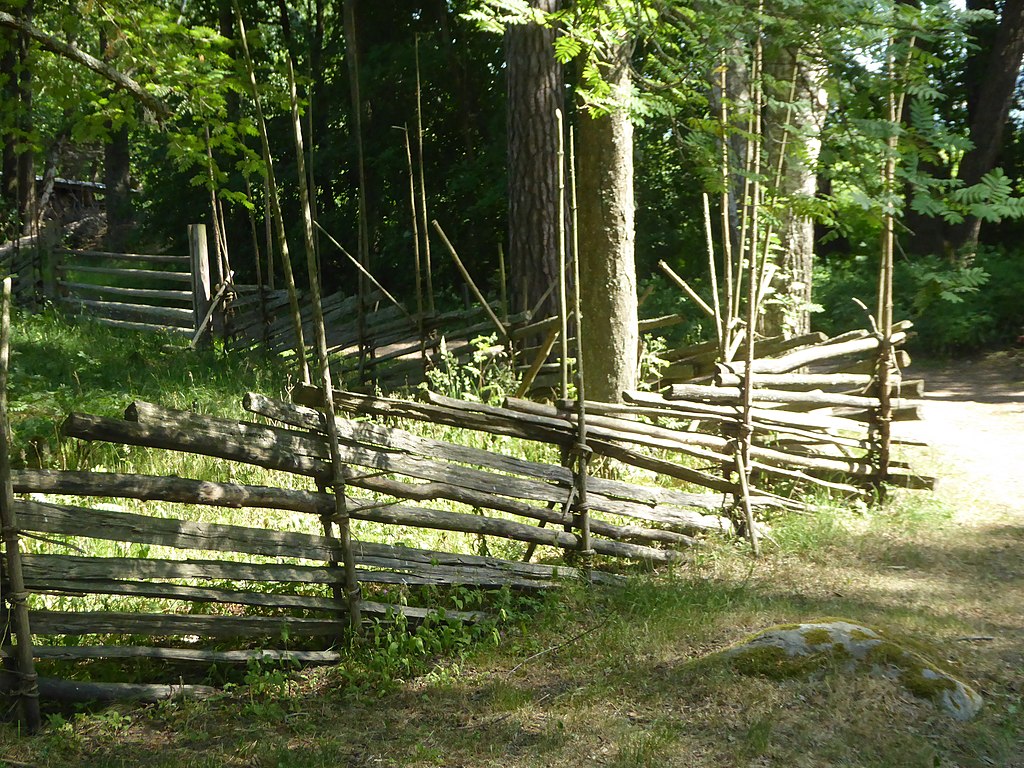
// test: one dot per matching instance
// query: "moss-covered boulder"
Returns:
(802, 650)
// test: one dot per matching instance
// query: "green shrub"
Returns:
(955, 307)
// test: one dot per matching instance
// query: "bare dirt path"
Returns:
(974, 421)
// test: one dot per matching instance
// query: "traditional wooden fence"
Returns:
(127, 290)
(20, 258)
(383, 343)
(639, 523)
(287, 583)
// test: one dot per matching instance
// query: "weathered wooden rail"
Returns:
(409, 481)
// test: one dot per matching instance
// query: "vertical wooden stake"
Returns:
(218, 234)
(746, 435)
(202, 292)
(883, 421)
(428, 269)
(352, 592)
(268, 222)
(260, 286)
(713, 271)
(502, 284)
(581, 450)
(29, 689)
(563, 310)
(275, 206)
(727, 256)
(352, 58)
(416, 249)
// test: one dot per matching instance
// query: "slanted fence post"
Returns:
(202, 295)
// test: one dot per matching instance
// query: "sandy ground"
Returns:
(974, 421)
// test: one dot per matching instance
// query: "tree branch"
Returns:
(68, 51)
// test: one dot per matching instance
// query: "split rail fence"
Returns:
(392, 478)
(274, 583)
(382, 343)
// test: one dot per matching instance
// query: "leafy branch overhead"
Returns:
(151, 102)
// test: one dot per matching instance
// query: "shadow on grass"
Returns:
(605, 681)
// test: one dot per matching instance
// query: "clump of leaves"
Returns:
(483, 373)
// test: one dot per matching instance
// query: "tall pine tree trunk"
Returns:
(535, 90)
(606, 243)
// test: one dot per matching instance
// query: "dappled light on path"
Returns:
(974, 421)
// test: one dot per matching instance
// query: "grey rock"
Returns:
(804, 649)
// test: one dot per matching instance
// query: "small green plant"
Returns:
(482, 374)
(267, 688)
(652, 361)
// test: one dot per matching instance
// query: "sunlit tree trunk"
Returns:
(793, 132)
(606, 243)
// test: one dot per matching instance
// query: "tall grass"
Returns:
(61, 364)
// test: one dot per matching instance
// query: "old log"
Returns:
(814, 354)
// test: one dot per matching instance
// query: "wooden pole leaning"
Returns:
(341, 517)
(275, 205)
(581, 452)
(28, 692)
(502, 330)
(261, 287)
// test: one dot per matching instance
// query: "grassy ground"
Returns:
(609, 676)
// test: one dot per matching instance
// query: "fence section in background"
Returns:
(139, 291)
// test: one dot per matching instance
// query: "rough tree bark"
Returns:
(805, 105)
(992, 80)
(606, 242)
(535, 90)
(117, 197)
